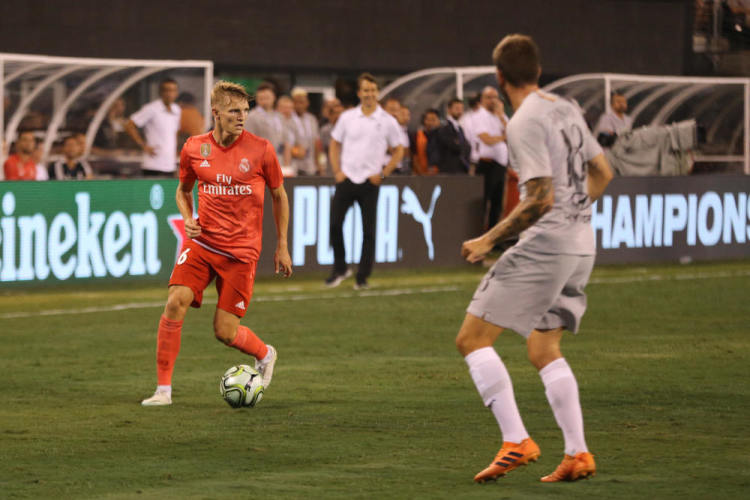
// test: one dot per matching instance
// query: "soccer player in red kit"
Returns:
(233, 168)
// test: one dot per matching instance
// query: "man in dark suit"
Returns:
(454, 149)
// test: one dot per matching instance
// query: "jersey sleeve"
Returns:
(187, 174)
(142, 116)
(271, 168)
(527, 142)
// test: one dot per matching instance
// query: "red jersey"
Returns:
(231, 185)
(15, 170)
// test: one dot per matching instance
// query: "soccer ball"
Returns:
(241, 386)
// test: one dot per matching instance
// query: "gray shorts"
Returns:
(527, 290)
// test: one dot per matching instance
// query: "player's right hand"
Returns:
(192, 228)
(149, 150)
(475, 250)
(339, 176)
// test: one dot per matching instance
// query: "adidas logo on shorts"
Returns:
(240, 304)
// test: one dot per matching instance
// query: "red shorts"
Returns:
(197, 266)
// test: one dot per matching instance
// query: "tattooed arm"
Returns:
(540, 196)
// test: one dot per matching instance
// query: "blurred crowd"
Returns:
(146, 141)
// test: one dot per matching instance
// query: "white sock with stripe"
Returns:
(561, 389)
(494, 385)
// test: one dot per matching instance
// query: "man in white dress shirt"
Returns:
(358, 146)
(489, 128)
(160, 121)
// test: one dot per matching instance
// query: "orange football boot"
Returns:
(581, 466)
(510, 456)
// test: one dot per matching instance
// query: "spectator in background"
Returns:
(265, 122)
(309, 135)
(109, 135)
(453, 148)
(326, 109)
(467, 123)
(425, 157)
(20, 166)
(160, 121)
(191, 119)
(489, 127)
(614, 122)
(334, 111)
(403, 119)
(71, 166)
(291, 134)
(393, 107)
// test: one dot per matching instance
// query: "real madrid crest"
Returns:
(205, 149)
(244, 165)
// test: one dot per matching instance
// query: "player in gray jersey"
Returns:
(536, 287)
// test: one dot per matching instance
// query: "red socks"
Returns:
(249, 343)
(167, 348)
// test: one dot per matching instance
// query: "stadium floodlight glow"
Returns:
(59, 84)
(721, 104)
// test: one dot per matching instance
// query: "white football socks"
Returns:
(561, 389)
(494, 385)
(165, 388)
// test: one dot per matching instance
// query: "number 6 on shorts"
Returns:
(183, 257)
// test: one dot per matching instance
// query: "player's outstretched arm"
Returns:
(599, 175)
(282, 262)
(540, 196)
(184, 198)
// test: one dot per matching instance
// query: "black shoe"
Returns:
(335, 279)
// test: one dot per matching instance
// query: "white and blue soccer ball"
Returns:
(240, 386)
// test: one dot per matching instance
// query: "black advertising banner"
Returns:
(662, 219)
(421, 221)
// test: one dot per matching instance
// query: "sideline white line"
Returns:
(322, 295)
(616, 280)
(266, 298)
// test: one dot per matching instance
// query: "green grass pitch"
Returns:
(370, 398)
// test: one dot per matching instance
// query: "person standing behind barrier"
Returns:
(452, 146)
(334, 112)
(358, 145)
(292, 135)
(160, 121)
(489, 126)
(467, 123)
(265, 122)
(20, 166)
(426, 155)
(309, 135)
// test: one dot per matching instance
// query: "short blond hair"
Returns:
(224, 89)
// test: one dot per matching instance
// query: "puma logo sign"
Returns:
(411, 206)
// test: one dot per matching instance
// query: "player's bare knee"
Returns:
(176, 307)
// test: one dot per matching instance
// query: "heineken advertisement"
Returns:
(55, 233)
(63, 232)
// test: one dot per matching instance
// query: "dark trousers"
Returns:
(366, 194)
(494, 188)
